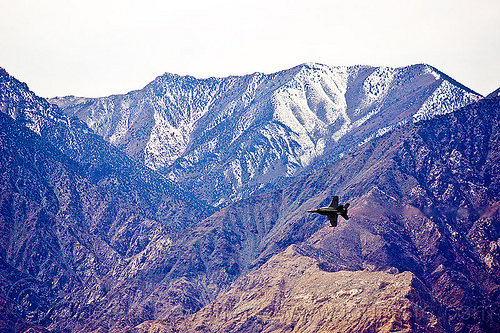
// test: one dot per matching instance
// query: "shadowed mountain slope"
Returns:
(99, 161)
(76, 213)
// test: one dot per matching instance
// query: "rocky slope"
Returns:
(425, 200)
(97, 160)
(76, 214)
(301, 297)
(227, 138)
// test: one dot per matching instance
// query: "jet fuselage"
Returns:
(329, 210)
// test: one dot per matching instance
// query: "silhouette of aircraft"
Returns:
(333, 211)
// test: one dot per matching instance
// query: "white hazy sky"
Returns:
(100, 47)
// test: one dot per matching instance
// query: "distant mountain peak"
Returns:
(234, 136)
(315, 65)
(494, 94)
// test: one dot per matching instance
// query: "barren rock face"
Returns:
(290, 293)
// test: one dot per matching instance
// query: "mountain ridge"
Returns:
(243, 134)
(101, 161)
(76, 214)
(305, 298)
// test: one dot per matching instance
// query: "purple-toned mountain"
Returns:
(97, 159)
(93, 241)
(228, 138)
(425, 201)
(75, 214)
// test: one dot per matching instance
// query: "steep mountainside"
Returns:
(99, 161)
(76, 215)
(425, 199)
(226, 138)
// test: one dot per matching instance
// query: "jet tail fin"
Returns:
(335, 202)
(345, 216)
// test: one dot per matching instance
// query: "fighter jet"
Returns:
(333, 211)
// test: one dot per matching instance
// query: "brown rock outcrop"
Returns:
(290, 293)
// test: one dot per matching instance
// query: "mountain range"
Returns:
(182, 206)
(425, 218)
(228, 138)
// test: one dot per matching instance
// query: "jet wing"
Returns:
(335, 202)
(333, 219)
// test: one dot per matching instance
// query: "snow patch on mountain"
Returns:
(377, 85)
(445, 99)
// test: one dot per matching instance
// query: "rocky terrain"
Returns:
(424, 200)
(228, 138)
(74, 210)
(291, 293)
(93, 241)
